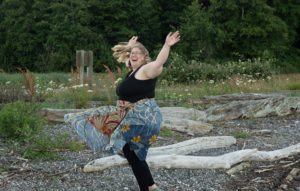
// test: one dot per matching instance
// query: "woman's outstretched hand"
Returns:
(172, 38)
(132, 41)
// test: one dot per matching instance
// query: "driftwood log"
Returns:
(194, 145)
(277, 154)
(245, 109)
(192, 121)
(238, 168)
(57, 115)
(270, 106)
(226, 98)
(182, 148)
(197, 162)
(175, 161)
(274, 106)
(171, 120)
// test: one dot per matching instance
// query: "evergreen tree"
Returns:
(17, 41)
(44, 35)
(199, 33)
(169, 13)
(233, 29)
(289, 12)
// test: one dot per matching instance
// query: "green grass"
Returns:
(59, 91)
(43, 78)
(5, 168)
(238, 135)
(45, 148)
(237, 84)
(166, 132)
(294, 86)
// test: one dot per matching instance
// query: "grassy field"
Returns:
(237, 84)
(64, 89)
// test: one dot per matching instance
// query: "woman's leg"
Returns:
(140, 169)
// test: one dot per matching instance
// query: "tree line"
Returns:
(44, 35)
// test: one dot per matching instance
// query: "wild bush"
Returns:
(179, 70)
(18, 121)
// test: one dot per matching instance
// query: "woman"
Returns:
(130, 128)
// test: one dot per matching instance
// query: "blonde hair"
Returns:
(122, 52)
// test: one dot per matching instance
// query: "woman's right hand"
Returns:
(172, 38)
(132, 41)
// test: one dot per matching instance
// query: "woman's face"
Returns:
(136, 58)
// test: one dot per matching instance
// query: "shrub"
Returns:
(18, 121)
(294, 86)
(179, 70)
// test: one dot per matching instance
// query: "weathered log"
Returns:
(104, 163)
(57, 115)
(231, 97)
(176, 161)
(176, 123)
(187, 125)
(184, 147)
(238, 168)
(274, 106)
(194, 145)
(197, 162)
(277, 154)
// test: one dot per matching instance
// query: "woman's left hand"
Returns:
(172, 38)
(132, 41)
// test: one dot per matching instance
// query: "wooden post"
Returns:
(85, 58)
(90, 69)
(81, 66)
(78, 60)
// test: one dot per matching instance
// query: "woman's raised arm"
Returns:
(154, 69)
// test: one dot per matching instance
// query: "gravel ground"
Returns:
(279, 132)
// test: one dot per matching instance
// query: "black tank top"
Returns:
(133, 90)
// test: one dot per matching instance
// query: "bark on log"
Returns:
(57, 115)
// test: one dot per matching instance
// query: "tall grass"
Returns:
(61, 92)
(237, 84)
